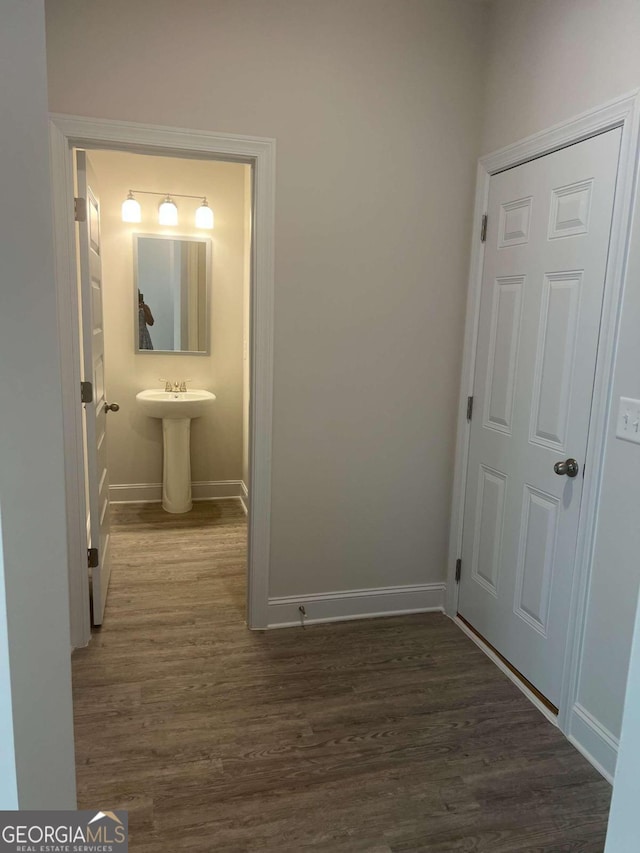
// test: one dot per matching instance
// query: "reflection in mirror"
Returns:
(171, 278)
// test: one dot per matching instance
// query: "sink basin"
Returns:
(176, 409)
(174, 404)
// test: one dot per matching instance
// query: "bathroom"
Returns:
(140, 355)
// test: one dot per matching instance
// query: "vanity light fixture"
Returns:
(167, 210)
(204, 215)
(131, 209)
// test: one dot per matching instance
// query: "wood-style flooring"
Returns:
(382, 735)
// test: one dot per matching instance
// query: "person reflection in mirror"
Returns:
(145, 318)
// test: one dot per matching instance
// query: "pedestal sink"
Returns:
(176, 409)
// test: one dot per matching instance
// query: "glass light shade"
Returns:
(168, 212)
(204, 215)
(131, 210)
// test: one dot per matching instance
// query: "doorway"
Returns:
(162, 306)
(69, 133)
(621, 115)
(543, 280)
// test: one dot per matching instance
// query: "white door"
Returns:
(547, 241)
(97, 479)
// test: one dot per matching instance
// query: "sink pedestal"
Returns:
(176, 465)
(176, 409)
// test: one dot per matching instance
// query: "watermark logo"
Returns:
(64, 832)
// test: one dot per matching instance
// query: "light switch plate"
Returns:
(628, 423)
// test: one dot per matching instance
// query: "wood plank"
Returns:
(381, 735)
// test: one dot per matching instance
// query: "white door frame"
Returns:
(623, 112)
(67, 132)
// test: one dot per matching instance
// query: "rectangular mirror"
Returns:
(171, 292)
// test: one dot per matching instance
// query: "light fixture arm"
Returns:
(171, 195)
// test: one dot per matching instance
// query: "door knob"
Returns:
(111, 407)
(569, 467)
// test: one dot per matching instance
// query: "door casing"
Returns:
(67, 133)
(623, 112)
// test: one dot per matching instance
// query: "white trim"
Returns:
(466, 391)
(69, 131)
(244, 497)
(623, 112)
(70, 360)
(355, 604)
(201, 490)
(601, 405)
(598, 745)
(531, 696)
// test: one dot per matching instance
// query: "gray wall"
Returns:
(387, 98)
(550, 60)
(376, 108)
(372, 240)
(36, 732)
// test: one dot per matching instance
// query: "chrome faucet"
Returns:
(175, 386)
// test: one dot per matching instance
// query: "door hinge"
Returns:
(80, 209)
(92, 558)
(86, 392)
(458, 569)
(483, 228)
(469, 408)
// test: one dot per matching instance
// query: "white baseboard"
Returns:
(589, 737)
(598, 745)
(244, 497)
(283, 611)
(205, 490)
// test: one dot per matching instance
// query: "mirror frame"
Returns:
(208, 277)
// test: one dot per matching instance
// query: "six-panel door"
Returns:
(541, 301)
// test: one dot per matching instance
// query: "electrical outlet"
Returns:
(628, 423)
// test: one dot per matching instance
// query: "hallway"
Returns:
(382, 735)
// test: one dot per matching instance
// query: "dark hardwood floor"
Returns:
(379, 735)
